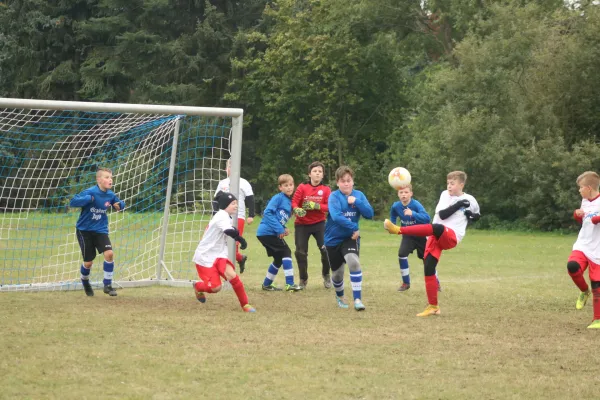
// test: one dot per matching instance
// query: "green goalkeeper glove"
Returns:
(300, 212)
(311, 205)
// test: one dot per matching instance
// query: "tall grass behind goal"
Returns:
(166, 164)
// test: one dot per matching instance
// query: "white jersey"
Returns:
(457, 221)
(214, 241)
(588, 241)
(245, 191)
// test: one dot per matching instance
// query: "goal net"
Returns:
(166, 164)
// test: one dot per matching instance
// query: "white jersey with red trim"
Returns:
(214, 241)
(588, 241)
(457, 221)
(245, 191)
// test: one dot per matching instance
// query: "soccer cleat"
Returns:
(358, 305)
(430, 310)
(595, 324)
(303, 283)
(582, 299)
(248, 308)
(327, 281)
(242, 264)
(87, 287)
(108, 289)
(392, 228)
(404, 287)
(341, 302)
(293, 288)
(199, 295)
(271, 288)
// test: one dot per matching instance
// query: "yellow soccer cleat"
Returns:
(430, 310)
(595, 324)
(582, 299)
(392, 228)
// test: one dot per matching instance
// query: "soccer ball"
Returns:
(399, 177)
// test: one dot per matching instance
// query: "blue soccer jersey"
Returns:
(342, 220)
(276, 215)
(419, 215)
(93, 216)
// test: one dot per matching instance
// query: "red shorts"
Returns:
(583, 261)
(212, 275)
(434, 246)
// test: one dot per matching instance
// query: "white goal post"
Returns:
(166, 163)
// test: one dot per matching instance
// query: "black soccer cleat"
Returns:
(243, 264)
(87, 287)
(108, 289)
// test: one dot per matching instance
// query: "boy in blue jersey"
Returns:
(410, 212)
(342, 237)
(271, 232)
(92, 228)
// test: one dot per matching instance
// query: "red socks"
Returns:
(240, 292)
(579, 280)
(596, 293)
(417, 230)
(431, 287)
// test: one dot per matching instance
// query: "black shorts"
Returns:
(276, 247)
(412, 243)
(89, 242)
(336, 253)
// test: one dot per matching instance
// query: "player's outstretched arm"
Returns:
(447, 212)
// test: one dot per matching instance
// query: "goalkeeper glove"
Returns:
(300, 212)
(311, 205)
(243, 243)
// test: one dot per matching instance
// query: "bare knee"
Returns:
(229, 273)
(109, 255)
(88, 264)
(216, 289)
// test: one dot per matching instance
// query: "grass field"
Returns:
(508, 330)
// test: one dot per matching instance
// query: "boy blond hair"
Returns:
(589, 178)
(285, 178)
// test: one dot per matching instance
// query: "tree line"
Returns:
(506, 90)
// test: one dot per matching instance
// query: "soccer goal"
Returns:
(166, 163)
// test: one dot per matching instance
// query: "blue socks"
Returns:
(108, 272)
(404, 270)
(271, 274)
(356, 282)
(85, 273)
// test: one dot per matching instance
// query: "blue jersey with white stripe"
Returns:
(94, 203)
(419, 215)
(342, 220)
(276, 215)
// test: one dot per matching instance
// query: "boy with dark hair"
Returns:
(92, 228)
(210, 256)
(586, 250)
(271, 232)
(454, 209)
(342, 237)
(310, 206)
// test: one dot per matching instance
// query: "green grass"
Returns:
(508, 330)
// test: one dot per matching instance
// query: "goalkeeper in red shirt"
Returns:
(310, 207)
